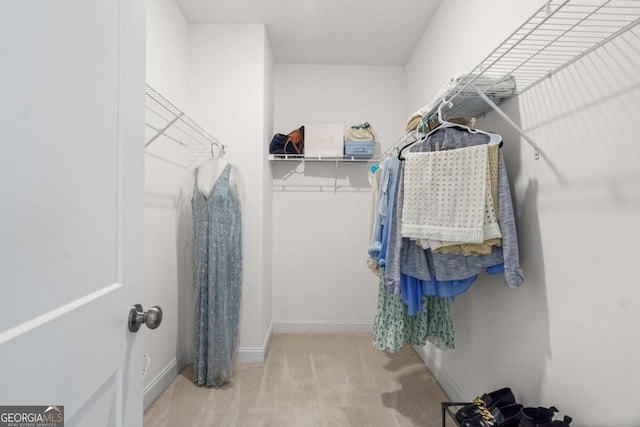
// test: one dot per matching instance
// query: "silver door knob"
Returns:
(152, 317)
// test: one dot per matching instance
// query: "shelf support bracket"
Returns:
(161, 131)
(485, 98)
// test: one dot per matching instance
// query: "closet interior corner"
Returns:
(502, 146)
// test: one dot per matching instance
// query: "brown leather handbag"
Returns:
(295, 140)
(293, 143)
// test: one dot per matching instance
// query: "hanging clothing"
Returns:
(457, 266)
(412, 317)
(405, 259)
(418, 284)
(392, 326)
(445, 195)
(374, 179)
(392, 165)
(382, 200)
(491, 217)
(217, 275)
(454, 266)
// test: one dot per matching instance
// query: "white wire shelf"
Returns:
(170, 135)
(296, 174)
(302, 158)
(558, 34)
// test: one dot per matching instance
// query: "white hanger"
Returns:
(494, 138)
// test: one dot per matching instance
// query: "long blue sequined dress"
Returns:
(217, 275)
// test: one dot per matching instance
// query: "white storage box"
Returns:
(324, 140)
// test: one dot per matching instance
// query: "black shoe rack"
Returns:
(446, 409)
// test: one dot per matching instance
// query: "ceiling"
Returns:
(337, 32)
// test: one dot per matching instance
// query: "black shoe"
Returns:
(505, 416)
(502, 397)
(542, 417)
(537, 417)
(564, 423)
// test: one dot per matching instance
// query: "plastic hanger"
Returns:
(221, 150)
(494, 138)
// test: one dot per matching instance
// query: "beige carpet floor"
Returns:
(310, 380)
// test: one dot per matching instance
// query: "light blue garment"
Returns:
(380, 213)
(217, 275)
(384, 205)
(392, 267)
(392, 164)
(416, 279)
(412, 290)
(417, 264)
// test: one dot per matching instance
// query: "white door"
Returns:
(71, 206)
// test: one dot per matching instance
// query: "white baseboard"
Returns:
(322, 327)
(440, 374)
(153, 390)
(256, 354)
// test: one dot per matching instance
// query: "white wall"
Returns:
(267, 224)
(167, 51)
(569, 336)
(229, 72)
(164, 282)
(216, 62)
(320, 236)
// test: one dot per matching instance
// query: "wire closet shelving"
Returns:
(172, 136)
(557, 35)
(302, 157)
